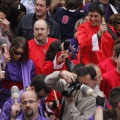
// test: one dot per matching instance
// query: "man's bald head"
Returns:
(28, 93)
(41, 31)
(41, 21)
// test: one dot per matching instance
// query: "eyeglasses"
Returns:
(17, 53)
(29, 101)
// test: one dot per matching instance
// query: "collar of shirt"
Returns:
(21, 117)
(69, 10)
(40, 43)
(96, 88)
(47, 17)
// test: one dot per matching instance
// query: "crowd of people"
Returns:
(63, 56)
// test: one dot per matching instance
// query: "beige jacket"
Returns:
(82, 108)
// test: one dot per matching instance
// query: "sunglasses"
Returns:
(17, 53)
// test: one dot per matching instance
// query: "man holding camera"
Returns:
(78, 106)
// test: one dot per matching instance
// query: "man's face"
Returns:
(98, 76)
(41, 32)
(40, 8)
(29, 104)
(87, 80)
(95, 18)
(42, 94)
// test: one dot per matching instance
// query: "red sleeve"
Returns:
(102, 67)
(84, 39)
(51, 96)
(105, 86)
(48, 67)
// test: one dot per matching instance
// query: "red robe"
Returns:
(88, 52)
(37, 53)
(110, 80)
(107, 65)
(51, 98)
(49, 66)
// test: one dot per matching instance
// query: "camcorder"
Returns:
(72, 87)
(75, 85)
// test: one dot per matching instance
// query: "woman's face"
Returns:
(2, 17)
(17, 54)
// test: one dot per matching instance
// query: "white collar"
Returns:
(40, 43)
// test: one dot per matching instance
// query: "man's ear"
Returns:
(115, 59)
(95, 79)
(114, 54)
(32, 88)
(38, 103)
(48, 31)
(119, 104)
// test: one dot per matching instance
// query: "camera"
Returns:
(72, 87)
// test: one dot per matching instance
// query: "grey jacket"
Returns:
(82, 108)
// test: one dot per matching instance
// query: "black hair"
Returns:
(39, 84)
(114, 96)
(48, 2)
(110, 114)
(86, 70)
(7, 3)
(117, 49)
(20, 42)
(94, 7)
(53, 49)
(73, 4)
(13, 14)
(76, 67)
(2, 10)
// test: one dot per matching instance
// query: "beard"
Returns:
(29, 112)
(39, 37)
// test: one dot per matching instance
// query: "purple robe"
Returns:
(75, 46)
(17, 71)
(21, 117)
(6, 110)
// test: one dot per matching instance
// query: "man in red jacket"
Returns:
(109, 63)
(40, 44)
(111, 79)
(96, 44)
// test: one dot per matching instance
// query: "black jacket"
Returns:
(25, 27)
